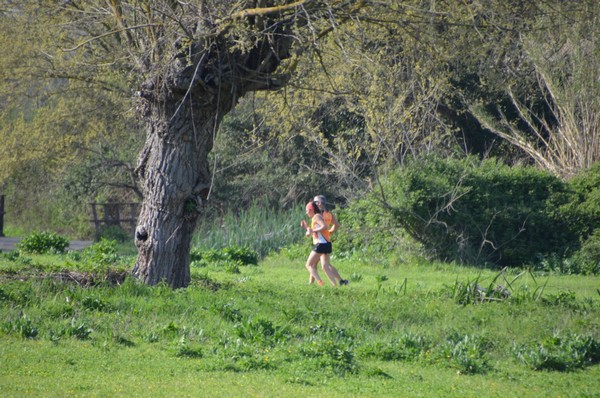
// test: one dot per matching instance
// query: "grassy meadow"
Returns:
(75, 325)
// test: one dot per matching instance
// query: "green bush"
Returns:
(43, 243)
(406, 347)
(261, 331)
(230, 255)
(564, 354)
(330, 348)
(245, 255)
(582, 210)
(472, 211)
(78, 329)
(466, 353)
(22, 326)
(588, 257)
(102, 253)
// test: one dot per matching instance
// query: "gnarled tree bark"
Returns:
(174, 168)
(183, 108)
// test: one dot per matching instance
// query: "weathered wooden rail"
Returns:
(123, 215)
(119, 214)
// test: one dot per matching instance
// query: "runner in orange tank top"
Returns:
(322, 246)
(332, 225)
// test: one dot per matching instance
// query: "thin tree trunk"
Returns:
(174, 168)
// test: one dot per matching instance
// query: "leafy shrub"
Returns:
(261, 331)
(588, 257)
(562, 354)
(79, 330)
(582, 209)
(20, 295)
(466, 353)
(554, 263)
(3, 295)
(74, 255)
(567, 299)
(22, 326)
(330, 354)
(579, 209)
(232, 267)
(367, 232)
(43, 243)
(24, 260)
(331, 348)
(245, 255)
(407, 347)
(295, 251)
(585, 261)
(102, 253)
(235, 255)
(93, 304)
(473, 211)
(12, 255)
(228, 312)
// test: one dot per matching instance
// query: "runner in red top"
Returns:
(322, 246)
(332, 226)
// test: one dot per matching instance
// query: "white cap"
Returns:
(320, 198)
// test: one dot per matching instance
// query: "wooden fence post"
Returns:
(95, 215)
(1, 215)
(114, 213)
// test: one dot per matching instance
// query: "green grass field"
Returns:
(408, 330)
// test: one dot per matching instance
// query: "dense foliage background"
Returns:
(456, 141)
(507, 92)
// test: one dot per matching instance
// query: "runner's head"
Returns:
(313, 208)
(320, 201)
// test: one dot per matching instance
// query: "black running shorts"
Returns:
(322, 248)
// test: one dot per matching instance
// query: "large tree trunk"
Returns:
(183, 105)
(174, 168)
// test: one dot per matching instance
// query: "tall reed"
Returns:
(262, 229)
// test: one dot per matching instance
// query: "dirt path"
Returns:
(8, 244)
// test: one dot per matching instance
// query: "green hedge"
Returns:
(582, 210)
(473, 211)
